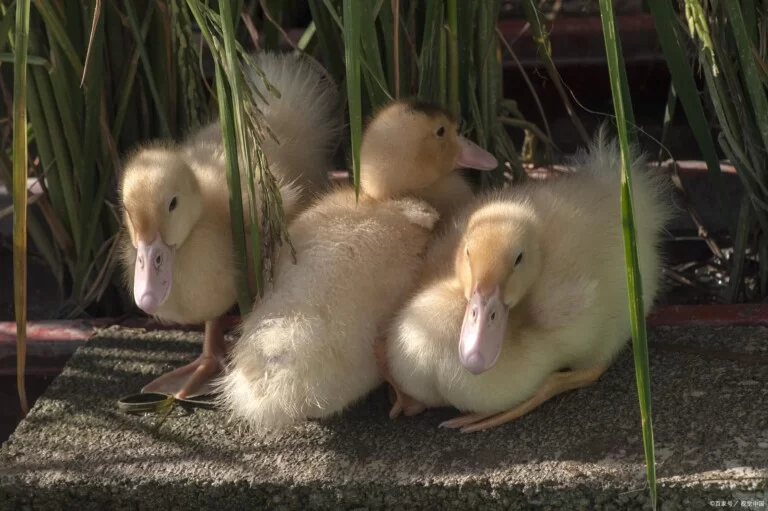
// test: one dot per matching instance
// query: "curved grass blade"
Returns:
(352, 20)
(624, 116)
(20, 157)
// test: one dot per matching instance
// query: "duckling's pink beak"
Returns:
(472, 156)
(482, 333)
(152, 275)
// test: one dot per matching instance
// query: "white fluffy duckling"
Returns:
(307, 350)
(178, 254)
(525, 283)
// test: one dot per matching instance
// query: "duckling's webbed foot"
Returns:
(195, 378)
(555, 384)
(401, 402)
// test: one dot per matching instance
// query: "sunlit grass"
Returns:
(626, 125)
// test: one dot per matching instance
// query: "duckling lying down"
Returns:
(177, 255)
(524, 283)
(307, 349)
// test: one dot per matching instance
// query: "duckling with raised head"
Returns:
(526, 282)
(307, 349)
(177, 254)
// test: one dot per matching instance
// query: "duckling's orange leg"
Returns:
(555, 384)
(194, 379)
(401, 402)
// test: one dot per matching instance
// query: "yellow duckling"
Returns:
(178, 254)
(307, 350)
(525, 283)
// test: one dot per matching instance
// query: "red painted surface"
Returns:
(722, 314)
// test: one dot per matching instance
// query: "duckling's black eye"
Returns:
(440, 131)
(519, 259)
(173, 204)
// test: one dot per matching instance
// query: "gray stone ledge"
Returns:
(582, 450)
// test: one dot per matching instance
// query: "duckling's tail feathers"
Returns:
(281, 373)
(306, 117)
(651, 188)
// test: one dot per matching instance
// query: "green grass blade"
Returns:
(466, 12)
(229, 135)
(488, 69)
(34, 226)
(244, 297)
(32, 60)
(328, 38)
(685, 84)
(230, 50)
(306, 37)
(130, 76)
(271, 39)
(453, 52)
(755, 88)
(6, 23)
(63, 163)
(624, 116)
(20, 158)
(59, 34)
(45, 151)
(430, 64)
(376, 80)
(352, 21)
(147, 64)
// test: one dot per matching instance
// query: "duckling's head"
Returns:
(497, 263)
(162, 202)
(410, 144)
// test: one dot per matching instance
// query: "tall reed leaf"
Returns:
(352, 20)
(623, 106)
(20, 158)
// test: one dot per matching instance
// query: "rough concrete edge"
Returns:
(370, 496)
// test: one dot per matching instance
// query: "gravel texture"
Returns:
(582, 450)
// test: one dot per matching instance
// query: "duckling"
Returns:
(526, 282)
(307, 350)
(177, 254)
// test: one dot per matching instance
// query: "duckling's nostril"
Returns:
(158, 260)
(474, 313)
(493, 315)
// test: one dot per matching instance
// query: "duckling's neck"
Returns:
(446, 194)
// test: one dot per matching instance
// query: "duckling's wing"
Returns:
(557, 303)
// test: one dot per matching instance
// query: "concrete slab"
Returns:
(582, 450)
